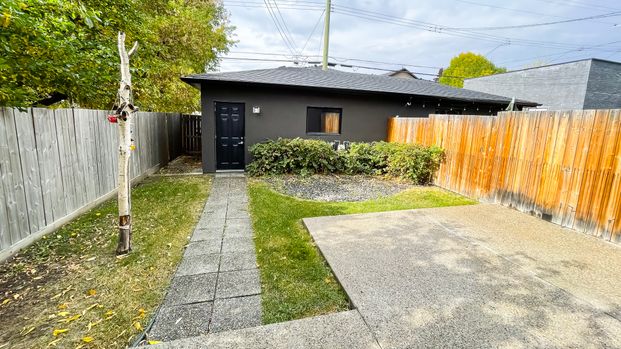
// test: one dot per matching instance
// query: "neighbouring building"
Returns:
(242, 108)
(402, 73)
(584, 84)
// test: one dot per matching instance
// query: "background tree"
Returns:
(55, 50)
(468, 65)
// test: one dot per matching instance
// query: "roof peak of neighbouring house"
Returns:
(548, 65)
(332, 79)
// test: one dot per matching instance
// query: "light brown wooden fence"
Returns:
(562, 166)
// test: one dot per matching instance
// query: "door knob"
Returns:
(240, 143)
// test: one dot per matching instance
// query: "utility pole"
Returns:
(326, 35)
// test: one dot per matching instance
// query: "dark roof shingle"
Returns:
(312, 77)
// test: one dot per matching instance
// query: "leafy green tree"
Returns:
(53, 50)
(468, 65)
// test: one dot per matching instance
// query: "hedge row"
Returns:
(305, 157)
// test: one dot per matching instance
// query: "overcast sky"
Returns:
(366, 30)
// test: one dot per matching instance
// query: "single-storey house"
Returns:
(242, 108)
(584, 84)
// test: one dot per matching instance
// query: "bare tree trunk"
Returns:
(125, 111)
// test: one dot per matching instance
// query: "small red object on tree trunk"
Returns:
(113, 119)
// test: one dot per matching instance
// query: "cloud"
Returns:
(354, 37)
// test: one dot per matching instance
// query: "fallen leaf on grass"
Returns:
(62, 293)
(92, 324)
(57, 332)
(63, 313)
(53, 343)
(89, 308)
(91, 292)
(6, 301)
(141, 314)
(26, 331)
(138, 326)
(154, 342)
(69, 319)
(88, 339)
(62, 306)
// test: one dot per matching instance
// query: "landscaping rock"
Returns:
(337, 187)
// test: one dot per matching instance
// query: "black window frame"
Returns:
(324, 110)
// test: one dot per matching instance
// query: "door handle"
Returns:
(240, 143)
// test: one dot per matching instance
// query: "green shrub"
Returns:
(301, 156)
(298, 156)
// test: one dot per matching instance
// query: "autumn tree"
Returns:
(56, 50)
(467, 65)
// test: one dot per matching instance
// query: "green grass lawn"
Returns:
(296, 282)
(69, 290)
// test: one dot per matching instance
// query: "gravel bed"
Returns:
(336, 188)
(184, 164)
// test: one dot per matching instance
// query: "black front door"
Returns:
(230, 136)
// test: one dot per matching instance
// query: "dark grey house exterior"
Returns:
(242, 108)
(584, 84)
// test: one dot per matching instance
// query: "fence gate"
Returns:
(191, 134)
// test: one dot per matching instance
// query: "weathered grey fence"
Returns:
(57, 163)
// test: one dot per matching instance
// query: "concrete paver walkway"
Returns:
(216, 286)
(479, 276)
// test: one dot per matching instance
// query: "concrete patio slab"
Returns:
(238, 283)
(236, 313)
(181, 321)
(584, 265)
(418, 284)
(191, 289)
(334, 331)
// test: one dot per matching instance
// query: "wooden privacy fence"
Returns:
(191, 134)
(54, 163)
(562, 166)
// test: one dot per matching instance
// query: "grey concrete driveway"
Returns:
(478, 276)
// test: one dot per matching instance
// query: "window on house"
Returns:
(323, 120)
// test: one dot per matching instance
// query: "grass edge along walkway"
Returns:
(69, 290)
(296, 281)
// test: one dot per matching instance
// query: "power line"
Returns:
(520, 26)
(284, 60)
(284, 24)
(580, 4)
(341, 59)
(520, 11)
(557, 81)
(582, 49)
(436, 28)
(375, 16)
(312, 31)
(280, 31)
